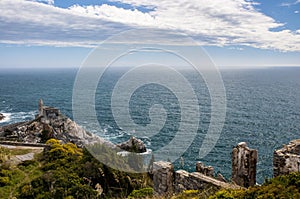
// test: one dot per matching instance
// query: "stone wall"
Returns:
(198, 181)
(244, 165)
(163, 178)
(167, 182)
(287, 159)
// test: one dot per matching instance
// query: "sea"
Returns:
(262, 109)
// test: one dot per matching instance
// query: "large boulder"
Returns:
(1, 116)
(133, 145)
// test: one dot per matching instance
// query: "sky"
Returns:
(234, 33)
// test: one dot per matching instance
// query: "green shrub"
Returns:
(5, 173)
(4, 181)
(187, 194)
(141, 193)
(280, 187)
(27, 163)
(71, 172)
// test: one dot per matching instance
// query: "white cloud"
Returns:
(50, 2)
(219, 22)
(290, 3)
(33, 23)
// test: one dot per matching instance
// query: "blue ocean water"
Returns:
(262, 109)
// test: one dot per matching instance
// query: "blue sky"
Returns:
(235, 33)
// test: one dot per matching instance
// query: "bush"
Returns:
(141, 193)
(26, 163)
(4, 154)
(72, 172)
(5, 173)
(4, 181)
(280, 187)
(5, 177)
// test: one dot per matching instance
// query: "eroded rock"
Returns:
(206, 170)
(287, 159)
(244, 165)
(133, 145)
(1, 116)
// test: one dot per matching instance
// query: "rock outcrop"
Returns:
(1, 116)
(206, 170)
(244, 165)
(287, 159)
(49, 123)
(133, 145)
(163, 178)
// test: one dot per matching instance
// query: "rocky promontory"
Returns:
(50, 123)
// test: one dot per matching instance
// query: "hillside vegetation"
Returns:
(66, 171)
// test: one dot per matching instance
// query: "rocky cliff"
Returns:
(49, 123)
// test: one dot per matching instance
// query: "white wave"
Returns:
(15, 117)
(6, 117)
(126, 153)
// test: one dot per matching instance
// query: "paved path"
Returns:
(22, 158)
(21, 147)
(16, 159)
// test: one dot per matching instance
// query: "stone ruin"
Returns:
(167, 181)
(287, 159)
(244, 165)
(47, 112)
(163, 178)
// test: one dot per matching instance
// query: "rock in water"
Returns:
(1, 116)
(133, 145)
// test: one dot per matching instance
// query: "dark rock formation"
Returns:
(244, 165)
(133, 145)
(287, 159)
(201, 168)
(1, 116)
(221, 178)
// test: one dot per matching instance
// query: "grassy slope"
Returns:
(17, 174)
